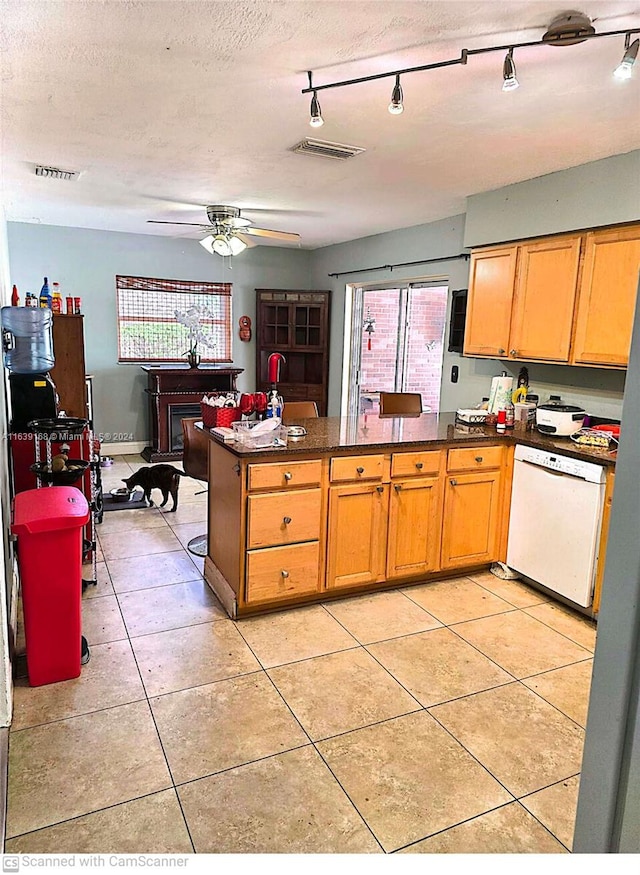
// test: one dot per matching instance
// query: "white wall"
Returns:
(605, 192)
(85, 263)
(8, 579)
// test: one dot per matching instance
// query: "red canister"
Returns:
(76, 306)
(69, 306)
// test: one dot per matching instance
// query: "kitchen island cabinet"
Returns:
(353, 507)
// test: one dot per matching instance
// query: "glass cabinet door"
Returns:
(307, 326)
(276, 325)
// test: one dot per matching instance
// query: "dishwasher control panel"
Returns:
(561, 464)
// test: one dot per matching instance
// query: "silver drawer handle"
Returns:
(287, 475)
(398, 487)
(379, 488)
(454, 482)
(284, 573)
(419, 466)
(286, 520)
(513, 352)
(478, 458)
(500, 351)
(360, 470)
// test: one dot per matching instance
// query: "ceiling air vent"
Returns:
(326, 150)
(56, 172)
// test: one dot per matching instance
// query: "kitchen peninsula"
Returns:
(361, 504)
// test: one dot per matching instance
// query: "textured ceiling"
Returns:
(164, 106)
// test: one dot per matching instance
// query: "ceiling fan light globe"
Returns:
(221, 246)
(236, 245)
(207, 243)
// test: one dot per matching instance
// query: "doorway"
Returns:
(397, 344)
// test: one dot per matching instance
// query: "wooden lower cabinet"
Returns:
(413, 542)
(357, 534)
(282, 572)
(471, 525)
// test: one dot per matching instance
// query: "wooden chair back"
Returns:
(195, 458)
(299, 410)
(399, 403)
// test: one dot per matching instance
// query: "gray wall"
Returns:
(600, 391)
(86, 262)
(605, 192)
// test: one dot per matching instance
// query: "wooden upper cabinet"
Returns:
(491, 284)
(606, 305)
(544, 301)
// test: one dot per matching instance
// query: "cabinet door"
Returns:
(357, 534)
(491, 282)
(308, 326)
(413, 545)
(275, 324)
(471, 519)
(544, 301)
(607, 297)
(68, 374)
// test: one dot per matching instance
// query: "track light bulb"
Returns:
(316, 120)
(510, 82)
(396, 106)
(624, 68)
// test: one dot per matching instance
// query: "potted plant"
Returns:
(190, 318)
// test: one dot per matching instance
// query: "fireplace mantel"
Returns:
(168, 387)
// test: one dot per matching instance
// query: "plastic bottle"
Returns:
(45, 294)
(56, 299)
(510, 415)
(30, 300)
(15, 298)
(501, 424)
(274, 404)
(32, 347)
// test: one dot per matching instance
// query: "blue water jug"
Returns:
(28, 333)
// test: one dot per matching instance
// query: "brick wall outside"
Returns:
(427, 313)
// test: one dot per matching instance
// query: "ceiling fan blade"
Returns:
(285, 236)
(161, 222)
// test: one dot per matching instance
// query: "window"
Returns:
(148, 330)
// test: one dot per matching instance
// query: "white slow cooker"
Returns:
(559, 419)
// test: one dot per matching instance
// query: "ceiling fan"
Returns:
(230, 233)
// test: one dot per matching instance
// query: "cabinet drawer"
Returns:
(415, 464)
(474, 458)
(283, 518)
(282, 572)
(356, 468)
(285, 475)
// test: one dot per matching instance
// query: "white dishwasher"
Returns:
(554, 528)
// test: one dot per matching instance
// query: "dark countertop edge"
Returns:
(527, 438)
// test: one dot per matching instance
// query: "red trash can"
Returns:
(48, 523)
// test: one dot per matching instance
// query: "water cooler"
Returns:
(29, 356)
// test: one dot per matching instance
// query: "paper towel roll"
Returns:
(500, 395)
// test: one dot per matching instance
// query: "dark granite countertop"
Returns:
(342, 434)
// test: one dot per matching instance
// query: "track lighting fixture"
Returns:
(624, 68)
(316, 120)
(396, 106)
(510, 82)
(567, 29)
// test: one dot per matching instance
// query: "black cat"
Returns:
(166, 478)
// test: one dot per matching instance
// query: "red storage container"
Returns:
(48, 523)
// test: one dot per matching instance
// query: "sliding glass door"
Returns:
(396, 344)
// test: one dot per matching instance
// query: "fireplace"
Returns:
(176, 413)
(174, 393)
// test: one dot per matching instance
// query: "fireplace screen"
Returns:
(176, 413)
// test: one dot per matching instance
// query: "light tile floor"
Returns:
(440, 718)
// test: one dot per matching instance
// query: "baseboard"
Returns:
(123, 448)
